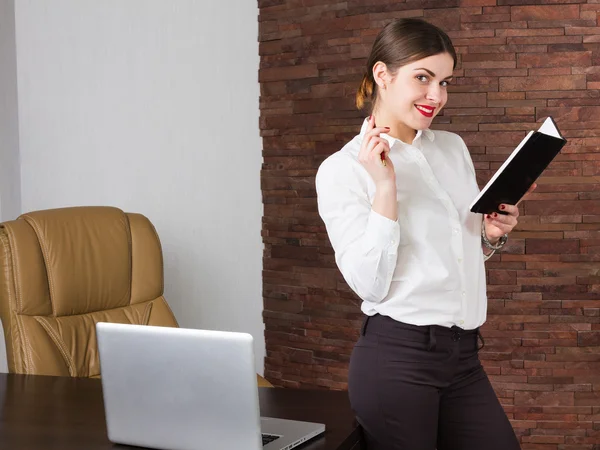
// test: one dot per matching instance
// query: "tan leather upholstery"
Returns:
(64, 270)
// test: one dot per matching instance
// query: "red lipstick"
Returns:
(427, 111)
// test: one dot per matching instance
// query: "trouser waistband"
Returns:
(385, 324)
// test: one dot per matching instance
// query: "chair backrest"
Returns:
(64, 270)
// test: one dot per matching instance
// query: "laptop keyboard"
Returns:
(268, 438)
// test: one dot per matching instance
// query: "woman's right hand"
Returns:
(373, 155)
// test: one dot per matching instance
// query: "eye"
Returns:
(445, 83)
(422, 78)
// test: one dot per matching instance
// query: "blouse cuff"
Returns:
(382, 232)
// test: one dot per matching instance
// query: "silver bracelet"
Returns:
(485, 241)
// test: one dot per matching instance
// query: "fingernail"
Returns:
(495, 214)
(387, 128)
(502, 207)
(487, 216)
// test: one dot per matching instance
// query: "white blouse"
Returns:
(426, 268)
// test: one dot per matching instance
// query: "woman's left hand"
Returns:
(497, 225)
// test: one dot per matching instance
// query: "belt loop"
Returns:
(432, 341)
(363, 328)
(479, 336)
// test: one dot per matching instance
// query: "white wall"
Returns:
(152, 106)
(10, 185)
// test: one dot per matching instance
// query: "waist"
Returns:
(465, 308)
(384, 325)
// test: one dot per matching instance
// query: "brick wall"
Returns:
(520, 61)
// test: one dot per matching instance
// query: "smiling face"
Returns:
(411, 97)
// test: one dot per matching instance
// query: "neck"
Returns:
(398, 129)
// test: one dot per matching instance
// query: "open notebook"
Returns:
(525, 164)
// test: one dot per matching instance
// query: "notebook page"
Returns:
(549, 128)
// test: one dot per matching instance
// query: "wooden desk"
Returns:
(62, 413)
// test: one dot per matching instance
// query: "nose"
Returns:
(434, 93)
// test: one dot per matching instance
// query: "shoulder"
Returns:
(342, 167)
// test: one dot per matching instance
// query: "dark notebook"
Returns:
(525, 164)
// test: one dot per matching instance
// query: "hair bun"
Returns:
(365, 91)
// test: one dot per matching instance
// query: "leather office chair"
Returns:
(64, 270)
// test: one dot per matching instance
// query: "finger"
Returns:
(370, 123)
(374, 142)
(496, 218)
(502, 230)
(387, 149)
(374, 154)
(363, 152)
(496, 228)
(378, 150)
(377, 131)
(381, 150)
(367, 141)
(511, 210)
(493, 224)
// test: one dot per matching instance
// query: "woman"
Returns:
(395, 201)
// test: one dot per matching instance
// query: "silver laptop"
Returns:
(182, 389)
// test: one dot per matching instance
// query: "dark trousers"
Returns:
(423, 388)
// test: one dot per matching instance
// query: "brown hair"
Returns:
(399, 43)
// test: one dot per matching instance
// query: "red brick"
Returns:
(485, 19)
(470, 57)
(479, 41)
(464, 3)
(517, 104)
(542, 83)
(545, 12)
(588, 338)
(575, 114)
(582, 30)
(560, 207)
(489, 65)
(544, 439)
(288, 73)
(502, 277)
(544, 398)
(583, 21)
(587, 399)
(549, 71)
(557, 59)
(475, 100)
(531, 32)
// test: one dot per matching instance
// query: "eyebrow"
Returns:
(433, 74)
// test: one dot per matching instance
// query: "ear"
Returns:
(381, 75)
